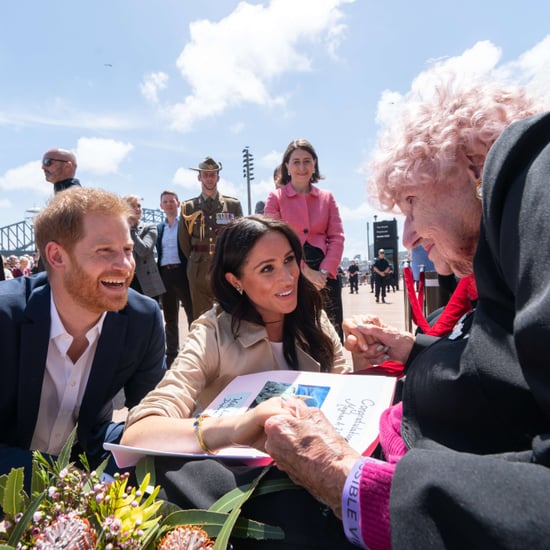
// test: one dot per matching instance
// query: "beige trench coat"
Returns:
(212, 357)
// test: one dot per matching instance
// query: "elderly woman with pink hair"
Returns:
(465, 459)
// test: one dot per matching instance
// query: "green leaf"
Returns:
(250, 529)
(22, 524)
(3, 481)
(231, 499)
(274, 486)
(64, 457)
(14, 496)
(145, 466)
(101, 468)
(41, 473)
(149, 540)
(213, 523)
(168, 508)
(222, 541)
(201, 518)
(6, 547)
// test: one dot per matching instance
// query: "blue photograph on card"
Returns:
(270, 389)
(313, 396)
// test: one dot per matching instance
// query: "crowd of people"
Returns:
(464, 453)
(18, 266)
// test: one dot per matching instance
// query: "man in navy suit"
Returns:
(73, 337)
(173, 270)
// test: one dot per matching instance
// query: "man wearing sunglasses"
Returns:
(59, 167)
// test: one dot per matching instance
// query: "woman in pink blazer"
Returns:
(313, 214)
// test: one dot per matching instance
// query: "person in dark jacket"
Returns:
(59, 166)
(72, 338)
(466, 454)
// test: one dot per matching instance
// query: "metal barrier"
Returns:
(433, 299)
(432, 296)
(407, 308)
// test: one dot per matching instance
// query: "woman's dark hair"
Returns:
(306, 146)
(303, 325)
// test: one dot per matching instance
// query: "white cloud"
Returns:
(153, 83)
(236, 59)
(237, 128)
(271, 159)
(474, 64)
(60, 116)
(262, 188)
(533, 69)
(101, 156)
(26, 177)
(479, 63)
(186, 178)
(362, 212)
(231, 189)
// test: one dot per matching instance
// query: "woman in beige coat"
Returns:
(267, 316)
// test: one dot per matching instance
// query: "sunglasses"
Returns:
(48, 161)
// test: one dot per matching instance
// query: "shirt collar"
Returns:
(214, 197)
(58, 329)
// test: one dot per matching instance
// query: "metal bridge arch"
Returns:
(18, 238)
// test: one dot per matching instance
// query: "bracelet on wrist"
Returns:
(198, 434)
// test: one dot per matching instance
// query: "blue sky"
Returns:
(142, 90)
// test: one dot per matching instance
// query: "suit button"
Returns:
(306, 230)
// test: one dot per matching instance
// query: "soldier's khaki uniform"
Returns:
(202, 220)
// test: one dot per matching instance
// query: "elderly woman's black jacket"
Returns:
(477, 409)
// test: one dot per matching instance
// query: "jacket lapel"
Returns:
(99, 389)
(35, 337)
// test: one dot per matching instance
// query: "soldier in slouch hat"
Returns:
(203, 218)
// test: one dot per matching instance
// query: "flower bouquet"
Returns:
(76, 509)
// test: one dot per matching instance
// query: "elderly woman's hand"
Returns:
(371, 342)
(305, 445)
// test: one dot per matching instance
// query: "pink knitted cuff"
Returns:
(374, 496)
(390, 433)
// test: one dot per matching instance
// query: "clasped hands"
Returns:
(303, 443)
(300, 439)
(372, 342)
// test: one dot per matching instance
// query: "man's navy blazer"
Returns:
(129, 355)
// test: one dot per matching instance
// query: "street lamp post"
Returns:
(248, 173)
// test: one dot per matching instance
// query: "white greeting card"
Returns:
(352, 403)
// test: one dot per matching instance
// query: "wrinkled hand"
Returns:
(371, 342)
(305, 445)
(318, 279)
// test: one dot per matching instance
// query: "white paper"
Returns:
(353, 404)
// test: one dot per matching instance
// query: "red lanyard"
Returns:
(459, 303)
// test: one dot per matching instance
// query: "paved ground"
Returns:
(392, 313)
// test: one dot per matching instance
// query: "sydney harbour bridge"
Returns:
(18, 238)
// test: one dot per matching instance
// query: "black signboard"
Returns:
(385, 236)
